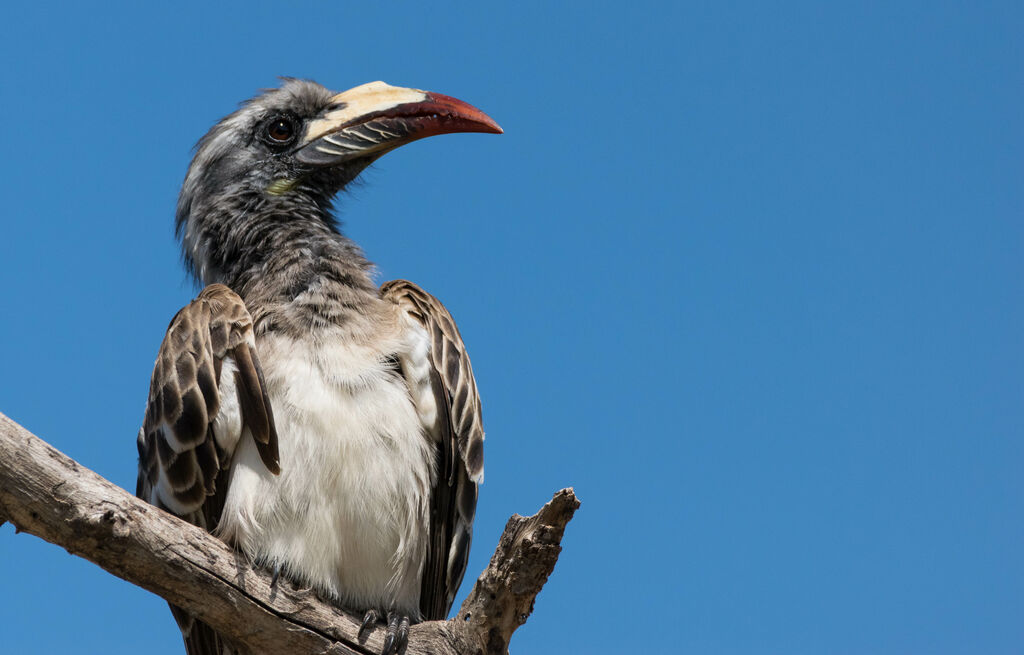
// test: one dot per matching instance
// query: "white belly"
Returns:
(349, 512)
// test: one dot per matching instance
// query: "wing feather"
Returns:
(183, 461)
(459, 449)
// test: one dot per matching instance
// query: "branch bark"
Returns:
(46, 493)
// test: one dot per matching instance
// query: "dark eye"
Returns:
(280, 130)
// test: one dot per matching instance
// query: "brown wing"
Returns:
(460, 454)
(195, 417)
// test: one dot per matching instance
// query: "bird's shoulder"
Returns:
(207, 376)
(450, 360)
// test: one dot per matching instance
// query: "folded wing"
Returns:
(206, 393)
(460, 440)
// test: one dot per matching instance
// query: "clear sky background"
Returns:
(749, 277)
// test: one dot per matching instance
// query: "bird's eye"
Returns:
(280, 130)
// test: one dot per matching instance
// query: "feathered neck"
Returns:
(284, 255)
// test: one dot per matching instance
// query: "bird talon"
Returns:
(369, 619)
(397, 638)
(403, 635)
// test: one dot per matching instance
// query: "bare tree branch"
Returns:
(45, 493)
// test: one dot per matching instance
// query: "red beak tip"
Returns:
(465, 111)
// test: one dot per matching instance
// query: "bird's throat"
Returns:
(285, 257)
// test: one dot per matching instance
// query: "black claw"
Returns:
(277, 574)
(369, 620)
(391, 635)
(397, 638)
(403, 635)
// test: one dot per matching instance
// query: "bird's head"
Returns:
(293, 148)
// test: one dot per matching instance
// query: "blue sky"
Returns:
(748, 277)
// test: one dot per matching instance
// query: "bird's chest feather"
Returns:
(348, 509)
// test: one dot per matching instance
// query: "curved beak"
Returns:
(375, 118)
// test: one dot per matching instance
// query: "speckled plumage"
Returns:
(316, 423)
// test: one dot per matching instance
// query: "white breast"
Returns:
(348, 513)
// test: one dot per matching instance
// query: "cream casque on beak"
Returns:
(372, 119)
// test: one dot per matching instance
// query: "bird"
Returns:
(326, 428)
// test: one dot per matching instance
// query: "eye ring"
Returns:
(279, 130)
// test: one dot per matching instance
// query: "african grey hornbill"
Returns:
(327, 429)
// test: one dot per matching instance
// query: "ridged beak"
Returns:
(375, 118)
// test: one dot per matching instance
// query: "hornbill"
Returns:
(327, 429)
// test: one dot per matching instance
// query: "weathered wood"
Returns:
(45, 493)
(502, 598)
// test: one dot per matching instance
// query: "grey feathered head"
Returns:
(286, 153)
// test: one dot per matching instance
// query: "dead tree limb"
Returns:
(46, 493)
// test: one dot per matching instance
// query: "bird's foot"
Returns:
(396, 639)
(396, 635)
(369, 619)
